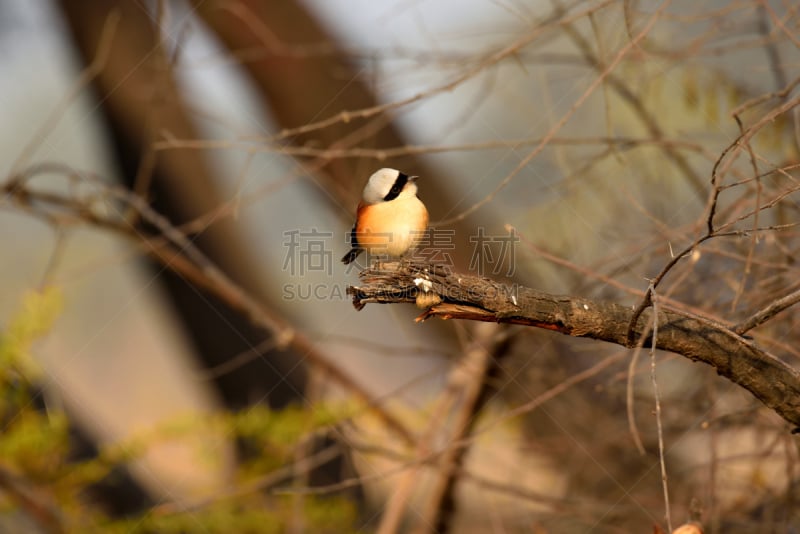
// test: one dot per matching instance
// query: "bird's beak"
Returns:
(412, 178)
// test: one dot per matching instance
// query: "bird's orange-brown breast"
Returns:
(391, 228)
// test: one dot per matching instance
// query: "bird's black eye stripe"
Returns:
(397, 187)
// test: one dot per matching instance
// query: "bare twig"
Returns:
(720, 167)
(262, 145)
(659, 424)
(615, 61)
(767, 313)
(754, 237)
(449, 424)
(479, 359)
(303, 465)
(175, 251)
(630, 399)
(491, 59)
(649, 119)
(517, 411)
(87, 75)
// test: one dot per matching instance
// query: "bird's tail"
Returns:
(351, 256)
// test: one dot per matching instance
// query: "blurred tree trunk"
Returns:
(139, 98)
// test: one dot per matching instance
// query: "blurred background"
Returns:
(179, 177)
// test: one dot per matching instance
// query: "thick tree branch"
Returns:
(451, 295)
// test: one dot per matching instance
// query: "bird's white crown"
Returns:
(380, 184)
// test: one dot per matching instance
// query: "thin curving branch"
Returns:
(175, 251)
(450, 295)
(768, 312)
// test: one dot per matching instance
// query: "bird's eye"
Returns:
(397, 188)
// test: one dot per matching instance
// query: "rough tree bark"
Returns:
(450, 295)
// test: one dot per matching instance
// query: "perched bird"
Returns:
(391, 220)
